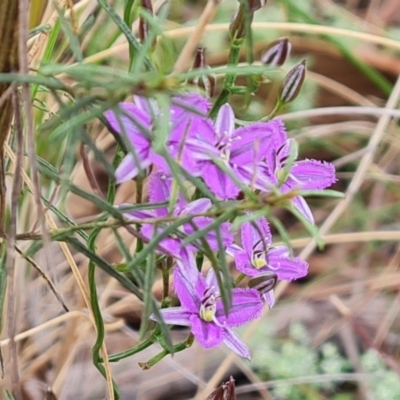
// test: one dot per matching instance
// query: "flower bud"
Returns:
(263, 282)
(292, 83)
(255, 5)
(237, 27)
(225, 392)
(143, 25)
(206, 82)
(276, 53)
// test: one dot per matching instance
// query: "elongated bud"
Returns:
(224, 392)
(143, 25)
(246, 9)
(276, 53)
(255, 5)
(206, 81)
(237, 25)
(264, 282)
(292, 83)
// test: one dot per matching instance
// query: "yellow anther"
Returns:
(258, 263)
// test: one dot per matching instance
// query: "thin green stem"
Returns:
(275, 111)
(165, 279)
(229, 78)
(176, 349)
(134, 350)
(239, 279)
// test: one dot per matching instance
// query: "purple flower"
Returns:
(202, 308)
(138, 120)
(132, 122)
(258, 256)
(239, 149)
(160, 192)
(274, 170)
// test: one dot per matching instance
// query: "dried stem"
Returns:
(12, 231)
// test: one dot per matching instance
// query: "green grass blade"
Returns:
(126, 30)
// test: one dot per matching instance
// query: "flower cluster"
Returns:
(259, 157)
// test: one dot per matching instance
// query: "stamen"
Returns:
(208, 305)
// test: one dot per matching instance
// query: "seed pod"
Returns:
(224, 392)
(143, 26)
(255, 5)
(264, 282)
(237, 25)
(292, 83)
(276, 53)
(206, 81)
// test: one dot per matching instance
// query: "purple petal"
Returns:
(246, 306)
(208, 334)
(130, 126)
(159, 188)
(243, 262)
(147, 105)
(196, 207)
(189, 162)
(211, 278)
(168, 245)
(201, 150)
(284, 152)
(303, 207)
(279, 251)
(244, 265)
(286, 267)
(189, 118)
(181, 105)
(234, 249)
(211, 236)
(257, 176)
(234, 343)
(266, 176)
(269, 298)
(219, 183)
(252, 236)
(159, 162)
(175, 316)
(187, 265)
(186, 292)
(312, 175)
(225, 122)
(253, 142)
(129, 169)
(139, 214)
(201, 128)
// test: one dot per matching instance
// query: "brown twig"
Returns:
(43, 274)
(28, 117)
(10, 260)
(89, 172)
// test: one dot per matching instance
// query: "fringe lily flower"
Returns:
(257, 256)
(202, 308)
(160, 192)
(239, 149)
(276, 170)
(137, 121)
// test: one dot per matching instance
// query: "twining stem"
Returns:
(176, 349)
(134, 350)
(97, 360)
(97, 315)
